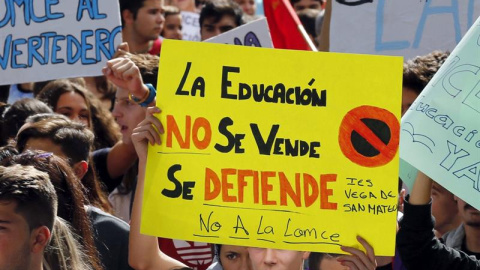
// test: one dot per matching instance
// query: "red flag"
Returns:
(284, 25)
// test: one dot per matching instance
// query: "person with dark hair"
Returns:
(110, 233)
(70, 140)
(99, 231)
(299, 5)
(173, 23)
(219, 16)
(417, 73)
(142, 22)
(69, 192)
(118, 164)
(28, 206)
(445, 210)
(465, 237)
(69, 99)
(74, 101)
(14, 117)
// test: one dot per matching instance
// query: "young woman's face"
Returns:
(276, 259)
(234, 258)
(74, 106)
(248, 6)
(173, 27)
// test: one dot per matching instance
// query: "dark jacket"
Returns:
(420, 249)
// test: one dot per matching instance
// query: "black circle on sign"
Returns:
(379, 128)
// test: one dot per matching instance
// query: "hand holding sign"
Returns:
(359, 260)
(148, 131)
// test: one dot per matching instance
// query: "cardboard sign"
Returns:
(440, 130)
(407, 27)
(44, 40)
(190, 26)
(408, 174)
(275, 148)
(255, 34)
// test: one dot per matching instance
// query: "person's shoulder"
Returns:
(103, 219)
(101, 152)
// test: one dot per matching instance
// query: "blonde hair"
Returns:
(64, 251)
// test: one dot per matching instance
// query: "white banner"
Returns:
(190, 26)
(400, 27)
(51, 39)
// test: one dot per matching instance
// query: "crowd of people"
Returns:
(73, 158)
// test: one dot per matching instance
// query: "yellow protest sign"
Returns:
(275, 148)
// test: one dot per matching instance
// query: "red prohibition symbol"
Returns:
(369, 136)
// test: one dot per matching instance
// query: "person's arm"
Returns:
(121, 157)
(123, 73)
(144, 253)
(421, 191)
